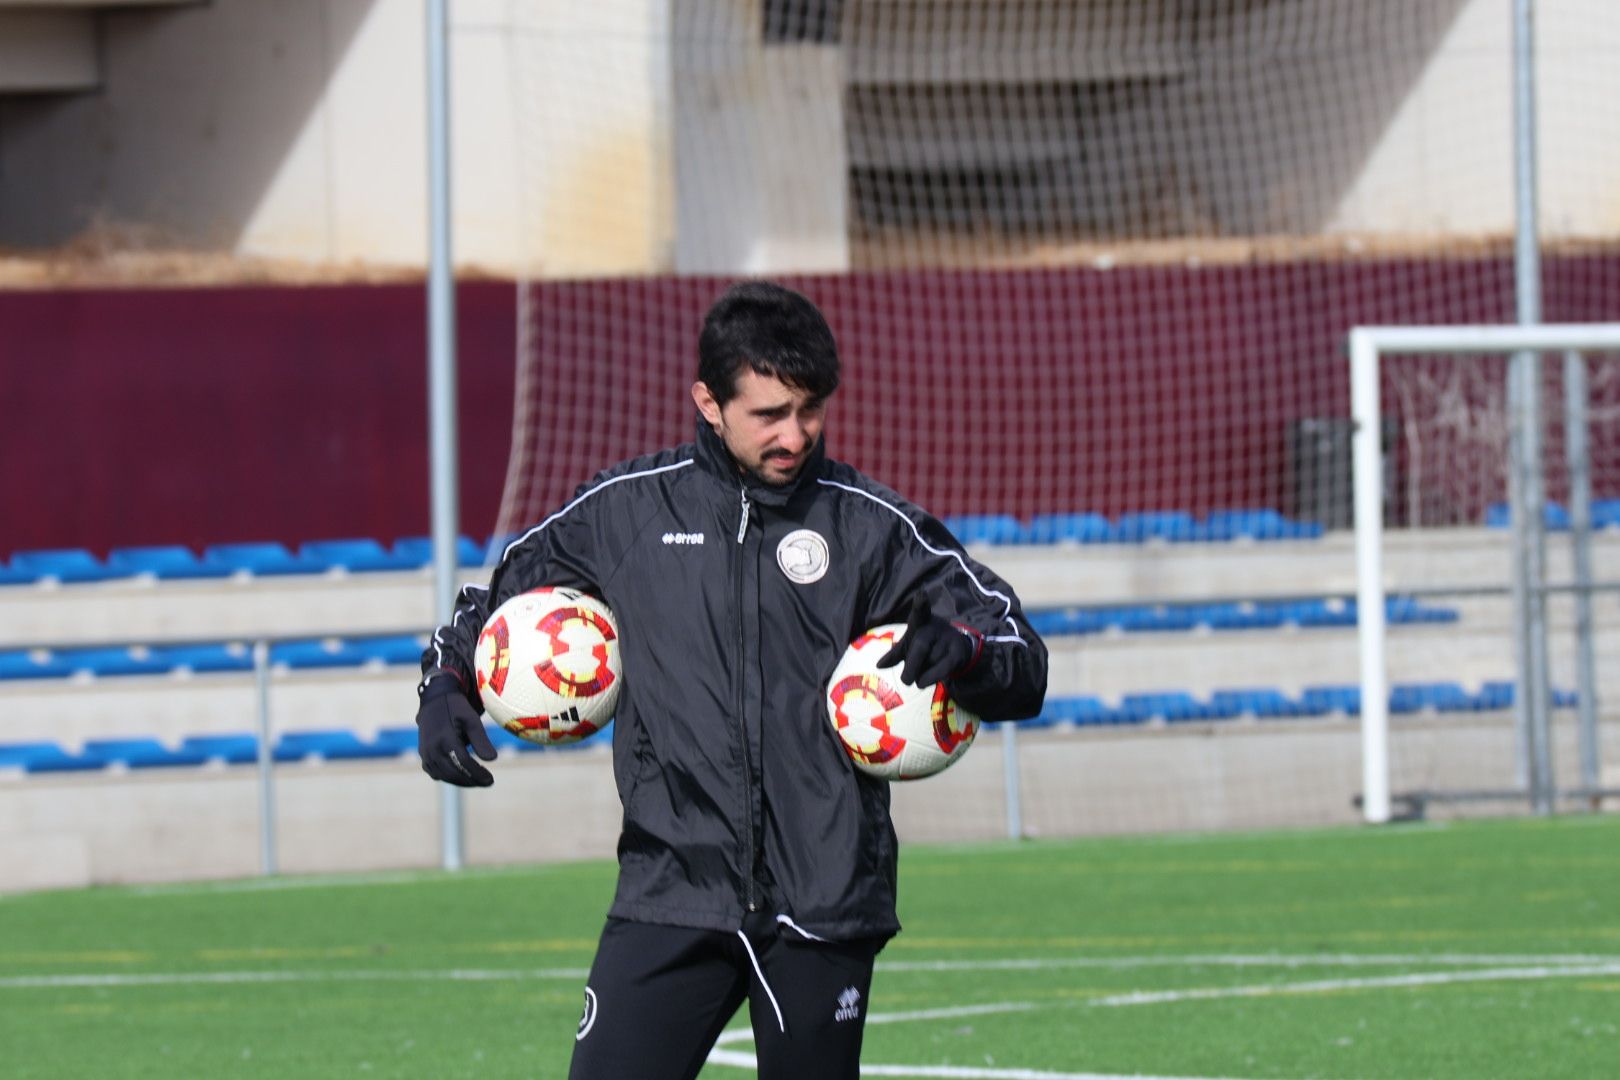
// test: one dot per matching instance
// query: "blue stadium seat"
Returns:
(1259, 523)
(17, 754)
(207, 658)
(235, 748)
(1261, 702)
(10, 575)
(1500, 516)
(1431, 696)
(1054, 622)
(143, 753)
(1241, 616)
(1408, 609)
(107, 662)
(1317, 613)
(397, 740)
(1173, 525)
(259, 559)
(1173, 706)
(418, 551)
(55, 759)
(1606, 513)
(355, 556)
(1145, 618)
(1034, 723)
(1325, 700)
(315, 654)
(335, 745)
(986, 528)
(65, 565)
(167, 563)
(1501, 694)
(1078, 528)
(22, 664)
(1070, 621)
(331, 745)
(1085, 710)
(389, 650)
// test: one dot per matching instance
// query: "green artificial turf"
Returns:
(1485, 949)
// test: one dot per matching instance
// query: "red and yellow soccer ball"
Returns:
(548, 665)
(890, 728)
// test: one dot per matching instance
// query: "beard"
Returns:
(762, 474)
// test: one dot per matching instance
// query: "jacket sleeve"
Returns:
(560, 551)
(1007, 678)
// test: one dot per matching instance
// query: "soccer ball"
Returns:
(889, 727)
(548, 666)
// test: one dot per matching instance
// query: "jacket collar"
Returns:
(713, 456)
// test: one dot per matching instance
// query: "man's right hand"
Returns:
(446, 725)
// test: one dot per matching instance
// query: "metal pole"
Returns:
(1578, 455)
(267, 795)
(1011, 783)
(1530, 606)
(442, 373)
(1368, 484)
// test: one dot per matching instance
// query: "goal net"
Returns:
(1470, 454)
(1091, 264)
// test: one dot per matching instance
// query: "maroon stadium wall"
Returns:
(213, 415)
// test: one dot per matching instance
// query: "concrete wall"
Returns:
(69, 831)
(297, 129)
(634, 136)
(1444, 161)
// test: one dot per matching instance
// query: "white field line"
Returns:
(204, 978)
(743, 1060)
(1283, 960)
(282, 883)
(1548, 966)
(721, 1055)
(1162, 997)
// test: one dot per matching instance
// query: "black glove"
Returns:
(932, 648)
(446, 724)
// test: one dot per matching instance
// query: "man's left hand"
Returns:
(932, 648)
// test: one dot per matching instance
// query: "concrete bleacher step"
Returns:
(106, 662)
(1290, 659)
(216, 609)
(1046, 577)
(40, 756)
(373, 697)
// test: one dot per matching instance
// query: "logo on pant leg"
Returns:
(587, 1018)
(849, 1005)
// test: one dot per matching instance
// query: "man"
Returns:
(755, 862)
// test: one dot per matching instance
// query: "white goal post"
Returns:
(1368, 345)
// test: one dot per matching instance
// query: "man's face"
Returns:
(769, 426)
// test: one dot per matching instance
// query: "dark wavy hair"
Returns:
(773, 330)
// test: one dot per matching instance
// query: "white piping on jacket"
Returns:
(438, 646)
(977, 584)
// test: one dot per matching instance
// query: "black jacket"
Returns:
(737, 794)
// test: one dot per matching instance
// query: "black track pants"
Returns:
(659, 996)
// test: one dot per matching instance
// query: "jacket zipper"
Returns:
(742, 720)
